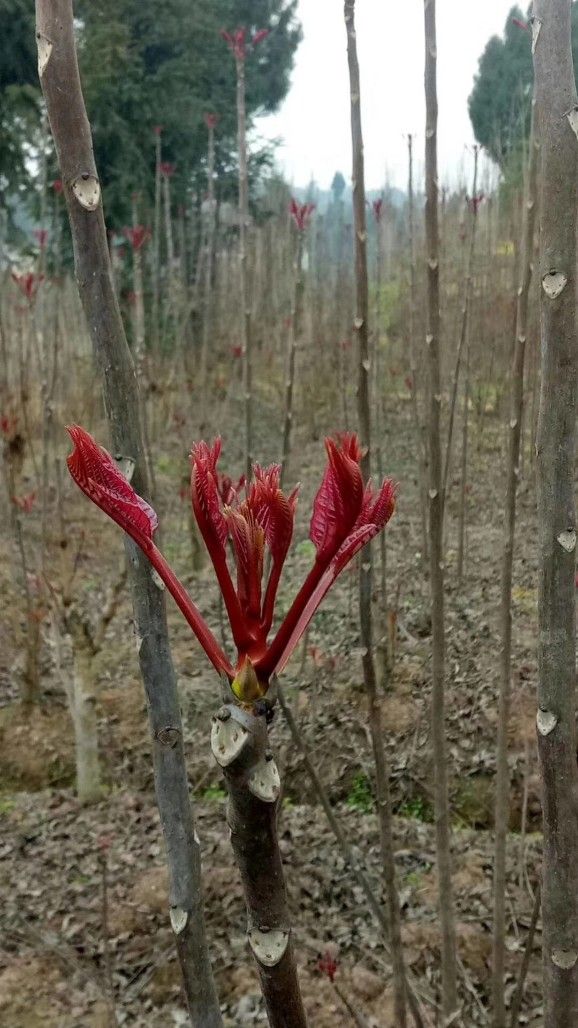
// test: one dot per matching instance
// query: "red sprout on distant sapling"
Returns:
(28, 284)
(475, 202)
(328, 966)
(301, 213)
(237, 41)
(345, 516)
(25, 503)
(377, 208)
(8, 425)
(137, 236)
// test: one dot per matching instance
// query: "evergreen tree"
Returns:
(19, 91)
(500, 101)
(162, 62)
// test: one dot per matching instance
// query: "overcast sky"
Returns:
(313, 123)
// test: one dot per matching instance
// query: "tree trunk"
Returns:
(463, 503)
(465, 313)
(512, 473)
(243, 272)
(419, 425)
(240, 745)
(156, 247)
(365, 572)
(61, 86)
(435, 524)
(294, 335)
(557, 115)
(208, 306)
(83, 712)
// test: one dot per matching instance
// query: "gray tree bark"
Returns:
(60, 80)
(464, 320)
(512, 474)
(243, 232)
(240, 745)
(557, 118)
(415, 380)
(365, 575)
(294, 338)
(435, 525)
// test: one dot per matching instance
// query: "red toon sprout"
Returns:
(58, 185)
(377, 207)
(327, 965)
(8, 425)
(211, 120)
(137, 236)
(28, 284)
(25, 503)
(346, 515)
(475, 202)
(41, 237)
(167, 169)
(301, 213)
(237, 41)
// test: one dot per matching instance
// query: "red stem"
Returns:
(191, 612)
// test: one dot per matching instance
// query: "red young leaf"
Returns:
(96, 473)
(205, 492)
(274, 511)
(339, 500)
(208, 510)
(248, 542)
